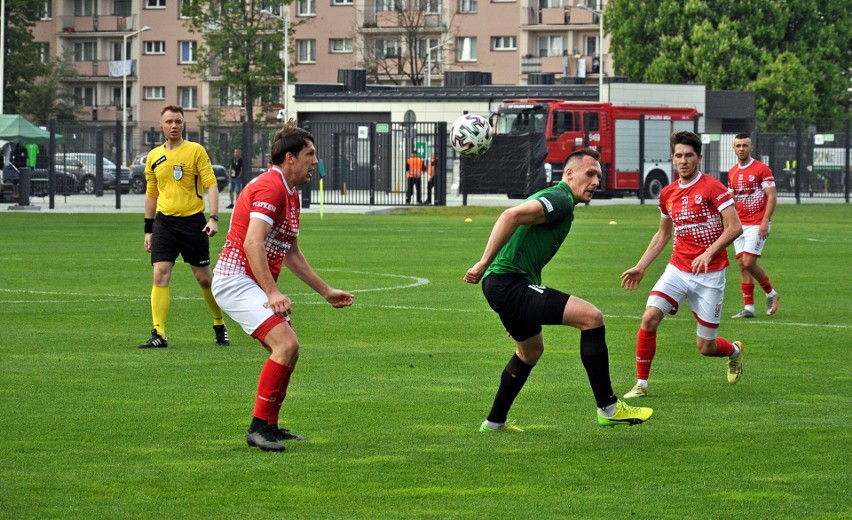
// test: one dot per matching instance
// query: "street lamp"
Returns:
(427, 80)
(286, 20)
(124, 96)
(600, 48)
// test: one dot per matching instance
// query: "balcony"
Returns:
(105, 69)
(86, 25)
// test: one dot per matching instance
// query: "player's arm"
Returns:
(296, 262)
(771, 202)
(732, 228)
(530, 213)
(253, 245)
(630, 278)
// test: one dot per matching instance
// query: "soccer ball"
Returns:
(471, 135)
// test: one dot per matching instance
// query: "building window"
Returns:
(341, 2)
(306, 51)
(467, 6)
(388, 48)
(122, 7)
(504, 43)
(432, 6)
(43, 52)
(155, 47)
(386, 5)
(155, 4)
(307, 8)
(46, 10)
(154, 92)
(230, 96)
(425, 44)
(87, 95)
(553, 4)
(85, 51)
(84, 7)
(116, 51)
(551, 45)
(340, 45)
(591, 45)
(188, 97)
(187, 52)
(183, 7)
(466, 49)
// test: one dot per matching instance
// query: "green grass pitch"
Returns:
(392, 390)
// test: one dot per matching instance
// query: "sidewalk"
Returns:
(132, 203)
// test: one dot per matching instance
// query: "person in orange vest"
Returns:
(414, 171)
(432, 170)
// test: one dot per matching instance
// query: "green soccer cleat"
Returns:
(625, 414)
(735, 366)
(510, 427)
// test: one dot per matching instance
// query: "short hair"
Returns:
(290, 139)
(688, 138)
(583, 152)
(742, 135)
(172, 108)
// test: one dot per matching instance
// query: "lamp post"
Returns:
(124, 95)
(427, 79)
(600, 47)
(286, 20)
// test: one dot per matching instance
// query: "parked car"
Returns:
(84, 167)
(66, 183)
(137, 174)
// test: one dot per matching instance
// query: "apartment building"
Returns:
(147, 46)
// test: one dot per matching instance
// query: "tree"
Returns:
(22, 60)
(736, 45)
(50, 96)
(240, 49)
(400, 54)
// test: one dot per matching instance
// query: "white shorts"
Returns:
(705, 293)
(243, 300)
(750, 241)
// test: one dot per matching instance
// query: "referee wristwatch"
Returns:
(214, 217)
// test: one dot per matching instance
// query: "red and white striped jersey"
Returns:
(746, 184)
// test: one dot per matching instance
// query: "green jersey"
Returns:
(531, 247)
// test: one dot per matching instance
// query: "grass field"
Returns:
(392, 390)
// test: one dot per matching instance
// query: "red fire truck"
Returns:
(626, 136)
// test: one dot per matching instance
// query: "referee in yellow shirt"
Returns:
(177, 173)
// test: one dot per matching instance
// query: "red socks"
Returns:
(766, 285)
(724, 348)
(271, 390)
(646, 347)
(748, 293)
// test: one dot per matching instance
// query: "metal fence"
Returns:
(806, 161)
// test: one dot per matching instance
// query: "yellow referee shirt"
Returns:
(178, 178)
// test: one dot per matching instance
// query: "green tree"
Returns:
(240, 49)
(22, 61)
(50, 96)
(741, 45)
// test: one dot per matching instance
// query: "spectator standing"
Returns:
(235, 172)
(414, 172)
(432, 171)
(753, 187)
(176, 172)
(263, 237)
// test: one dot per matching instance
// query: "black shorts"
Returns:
(184, 236)
(522, 306)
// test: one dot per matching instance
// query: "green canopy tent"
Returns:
(16, 129)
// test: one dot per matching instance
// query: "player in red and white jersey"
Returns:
(753, 186)
(263, 236)
(700, 213)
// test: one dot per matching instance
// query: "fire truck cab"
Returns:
(633, 140)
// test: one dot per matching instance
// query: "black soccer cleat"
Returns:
(263, 439)
(221, 335)
(156, 341)
(283, 434)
